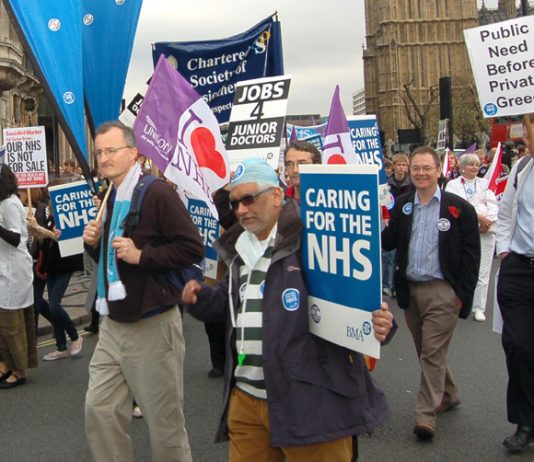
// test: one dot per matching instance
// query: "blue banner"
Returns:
(341, 252)
(313, 134)
(52, 33)
(213, 67)
(73, 207)
(209, 230)
(108, 34)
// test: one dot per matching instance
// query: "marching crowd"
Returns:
(439, 239)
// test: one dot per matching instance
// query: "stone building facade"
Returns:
(410, 44)
(22, 102)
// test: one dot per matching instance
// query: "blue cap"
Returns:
(254, 170)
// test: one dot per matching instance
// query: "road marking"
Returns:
(52, 341)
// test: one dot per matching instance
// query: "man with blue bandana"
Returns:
(288, 394)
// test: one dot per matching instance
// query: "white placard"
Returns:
(502, 59)
(26, 155)
(257, 120)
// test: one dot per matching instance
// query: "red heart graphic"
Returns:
(203, 144)
(336, 159)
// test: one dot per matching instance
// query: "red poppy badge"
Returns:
(454, 211)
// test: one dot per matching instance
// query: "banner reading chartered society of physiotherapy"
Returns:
(72, 207)
(209, 230)
(502, 60)
(365, 137)
(341, 252)
(213, 67)
(26, 155)
(257, 120)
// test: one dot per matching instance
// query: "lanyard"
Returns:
(469, 193)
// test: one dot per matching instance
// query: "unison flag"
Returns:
(337, 147)
(213, 67)
(177, 130)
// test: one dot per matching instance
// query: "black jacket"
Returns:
(459, 246)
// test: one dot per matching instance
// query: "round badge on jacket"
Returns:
(408, 208)
(444, 224)
(291, 299)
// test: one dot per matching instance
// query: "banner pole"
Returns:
(103, 204)
(530, 132)
(28, 192)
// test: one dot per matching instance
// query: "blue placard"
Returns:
(341, 252)
(209, 230)
(365, 137)
(73, 207)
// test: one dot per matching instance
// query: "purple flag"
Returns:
(178, 131)
(337, 147)
(470, 150)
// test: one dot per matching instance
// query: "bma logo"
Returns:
(88, 19)
(490, 109)
(69, 97)
(315, 313)
(358, 334)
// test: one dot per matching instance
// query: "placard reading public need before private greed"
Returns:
(502, 59)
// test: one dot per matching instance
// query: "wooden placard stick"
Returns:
(103, 204)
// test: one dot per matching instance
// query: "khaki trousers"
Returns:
(250, 437)
(432, 317)
(18, 345)
(142, 360)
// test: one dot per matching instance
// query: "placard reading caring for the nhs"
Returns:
(257, 120)
(73, 208)
(208, 227)
(502, 59)
(341, 252)
(365, 137)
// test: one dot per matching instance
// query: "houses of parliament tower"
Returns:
(410, 44)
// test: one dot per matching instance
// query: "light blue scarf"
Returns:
(123, 199)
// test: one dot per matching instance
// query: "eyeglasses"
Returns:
(293, 165)
(247, 200)
(109, 152)
(424, 169)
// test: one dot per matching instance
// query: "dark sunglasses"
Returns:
(247, 200)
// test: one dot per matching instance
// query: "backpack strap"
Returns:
(522, 164)
(132, 219)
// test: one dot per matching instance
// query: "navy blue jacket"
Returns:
(316, 391)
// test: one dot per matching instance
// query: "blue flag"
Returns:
(80, 51)
(108, 33)
(213, 67)
(52, 34)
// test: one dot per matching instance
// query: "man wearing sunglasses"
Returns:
(288, 394)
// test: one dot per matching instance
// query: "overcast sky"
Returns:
(322, 41)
